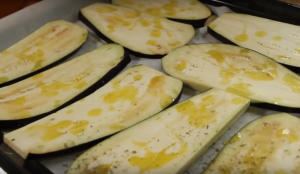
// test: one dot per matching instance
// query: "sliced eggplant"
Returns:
(143, 34)
(60, 86)
(167, 143)
(268, 145)
(188, 11)
(51, 43)
(136, 94)
(277, 40)
(237, 70)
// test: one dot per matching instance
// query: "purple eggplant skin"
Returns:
(13, 124)
(88, 145)
(226, 41)
(83, 19)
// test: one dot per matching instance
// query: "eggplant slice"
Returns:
(186, 11)
(51, 43)
(277, 40)
(167, 143)
(136, 94)
(143, 34)
(268, 145)
(49, 91)
(237, 70)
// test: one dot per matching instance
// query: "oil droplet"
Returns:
(238, 100)
(288, 134)
(237, 137)
(111, 28)
(18, 101)
(244, 50)
(174, 44)
(261, 34)
(3, 79)
(293, 82)
(284, 57)
(227, 75)
(38, 65)
(57, 103)
(138, 77)
(78, 127)
(199, 116)
(224, 169)
(277, 38)
(194, 2)
(117, 127)
(5, 52)
(103, 169)
(280, 172)
(52, 89)
(126, 93)
(154, 160)
(94, 112)
(212, 26)
(106, 9)
(240, 89)
(112, 108)
(242, 37)
(22, 114)
(80, 85)
(155, 33)
(132, 14)
(218, 56)
(181, 66)
(166, 100)
(52, 132)
(38, 76)
(157, 82)
(69, 111)
(152, 42)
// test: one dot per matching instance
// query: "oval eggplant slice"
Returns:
(49, 44)
(236, 70)
(136, 94)
(268, 145)
(277, 40)
(188, 11)
(49, 90)
(167, 143)
(145, 35)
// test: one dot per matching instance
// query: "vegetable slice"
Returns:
(236, 70)
(48, 44)
(136, 94)
(167, 143)
(188, 11)
(277, 40)
(143, 34)
(268, 145)
(52, 89)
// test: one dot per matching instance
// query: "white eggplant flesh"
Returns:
(167, 143)
(50, 89)
(139, 32)
(268, 145)
(175, 9)
(277, 40)
(48, 44)
(137, 94)
(234, 69)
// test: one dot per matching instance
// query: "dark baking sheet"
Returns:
(12, 163)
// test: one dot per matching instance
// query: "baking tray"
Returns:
(17, 26)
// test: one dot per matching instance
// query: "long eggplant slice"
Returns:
(143, 34)
(55, 87)
(136, 94)
(277, 40)
(167, 143)
(188, 11)
(268, 145)
(236, 70)
(49, 44)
